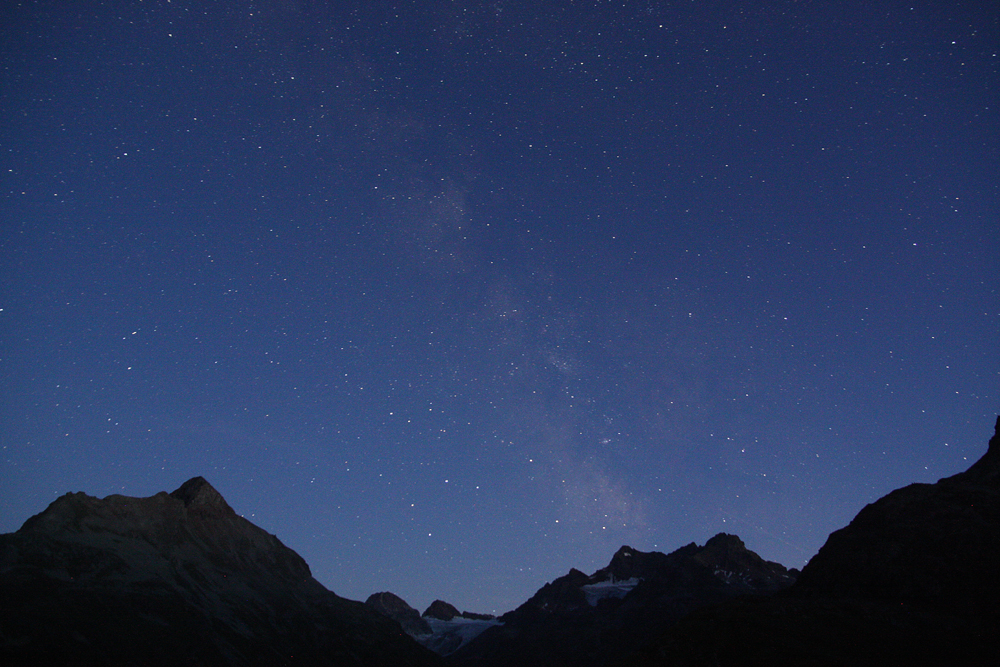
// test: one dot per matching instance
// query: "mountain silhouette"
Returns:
(913, 579)
(181, 579)
(175, 579)
(601, 618)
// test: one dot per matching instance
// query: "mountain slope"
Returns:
(396, 608)
(926, 544)
(911, 580)
(171, 579)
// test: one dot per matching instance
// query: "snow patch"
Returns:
(448, 636)
(729, 577)
(608, 589)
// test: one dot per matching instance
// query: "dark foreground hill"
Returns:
(175, 579)
(913, 579)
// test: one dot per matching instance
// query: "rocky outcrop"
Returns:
(441, 610)
(442, 629)
(444, 611)
(396, 608)
(176, 578)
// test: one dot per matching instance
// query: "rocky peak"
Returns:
(727, 551)
(727, 542)
(201, 497)
(625, 551)
(388, 603)
(441, 610)
(175, 578)
(730, 561)
(396, 608)
(628, 563)
(987, 469)
(623, 557)
(622, 565)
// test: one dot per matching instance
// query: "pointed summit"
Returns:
(987, 468)
(725, 541)
(629, 563)
(623, 563)
(175, 579)
(201, 497)
(396, 608)
(624, 552)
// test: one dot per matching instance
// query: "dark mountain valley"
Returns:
(181, 579)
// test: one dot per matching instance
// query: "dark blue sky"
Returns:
(453, 296)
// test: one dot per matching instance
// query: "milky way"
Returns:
(457, 297)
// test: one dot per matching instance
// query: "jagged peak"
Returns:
(628, 563)
(726, 540)
(622, 560)
(994, 446)
(386, 598)
(198, 495)
(987, 468)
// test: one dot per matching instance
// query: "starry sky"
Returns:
(455, 296)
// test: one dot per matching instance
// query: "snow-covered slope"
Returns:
(442, 628)
(446, 637)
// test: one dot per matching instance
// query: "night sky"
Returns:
(455, 296)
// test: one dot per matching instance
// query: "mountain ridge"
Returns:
(911, 577)
(900, 547)
(580, 619)
(178, 578)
